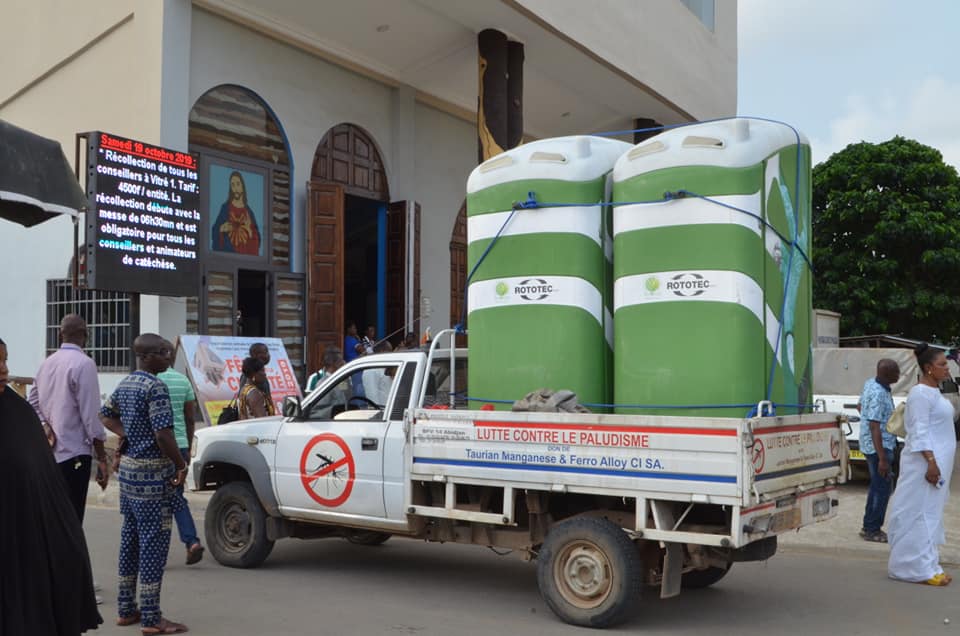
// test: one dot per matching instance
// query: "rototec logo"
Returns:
(687, 284)
(533, 289)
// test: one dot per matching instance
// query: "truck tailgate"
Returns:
(785, 453)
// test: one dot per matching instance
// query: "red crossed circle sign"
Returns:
(327, 470)
(758, 455)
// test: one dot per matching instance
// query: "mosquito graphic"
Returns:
(330, 470)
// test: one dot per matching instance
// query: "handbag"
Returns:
(895, 425)
(230, 413)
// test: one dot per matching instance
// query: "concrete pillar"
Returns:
(402, 173)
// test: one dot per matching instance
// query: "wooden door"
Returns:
(458, 273)
(324, 270)
(403, 268)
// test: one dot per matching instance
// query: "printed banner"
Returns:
(214, 365)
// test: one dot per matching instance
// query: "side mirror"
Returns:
(291, 407)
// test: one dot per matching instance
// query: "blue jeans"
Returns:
(185, 525)
(879, 493)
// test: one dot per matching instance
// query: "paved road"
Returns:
(410, 588)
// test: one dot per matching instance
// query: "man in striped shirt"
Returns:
(183, 401)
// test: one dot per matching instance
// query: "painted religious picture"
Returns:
(237, 198)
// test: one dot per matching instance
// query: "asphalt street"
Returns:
(405, 587)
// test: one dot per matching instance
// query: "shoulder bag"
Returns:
(895, 424)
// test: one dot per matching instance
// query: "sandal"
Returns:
(165, 627)
(133, 619)
(194, 553)
(940, 580)
(876, 537)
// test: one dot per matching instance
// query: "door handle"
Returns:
(369, 443)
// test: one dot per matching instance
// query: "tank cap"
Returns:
(741, 129)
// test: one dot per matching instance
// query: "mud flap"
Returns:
(672, 570)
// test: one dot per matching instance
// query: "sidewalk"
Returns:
(839, 535)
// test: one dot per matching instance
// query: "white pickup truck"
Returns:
(606, 504)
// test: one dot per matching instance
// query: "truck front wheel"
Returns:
(236, 526)
(589, 572)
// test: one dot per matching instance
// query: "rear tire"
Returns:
(696, 579)
(367, 537)
(589, 572)
(235, 526)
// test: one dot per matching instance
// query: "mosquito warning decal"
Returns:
(327, 470)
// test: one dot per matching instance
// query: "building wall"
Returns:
(97, 70)
(446, 152)
(700, 72)
(309, 96)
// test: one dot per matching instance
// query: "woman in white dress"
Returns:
(915, 524)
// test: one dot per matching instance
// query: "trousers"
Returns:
(146, 503)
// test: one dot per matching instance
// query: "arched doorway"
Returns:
(248, 289)
(362, 250)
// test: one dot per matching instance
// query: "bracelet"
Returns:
(931, 459)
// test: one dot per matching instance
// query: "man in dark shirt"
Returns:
(139, 412)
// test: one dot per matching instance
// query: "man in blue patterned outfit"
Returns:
(139, 412)
(877, 445)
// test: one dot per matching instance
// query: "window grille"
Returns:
(108, 322)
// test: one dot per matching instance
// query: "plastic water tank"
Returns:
(711, 302)
(539, 302)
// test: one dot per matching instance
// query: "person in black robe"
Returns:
(46, 584)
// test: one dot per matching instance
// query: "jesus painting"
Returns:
(235, 229)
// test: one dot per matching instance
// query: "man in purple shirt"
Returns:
(66, 396)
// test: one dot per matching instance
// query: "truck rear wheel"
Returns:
(236, 526)
(696, 579)
(589, 572)
(367, 537)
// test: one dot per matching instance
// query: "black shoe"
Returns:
(194, 553)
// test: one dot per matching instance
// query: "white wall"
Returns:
(308, 95)
(97, 70)
(446, 152)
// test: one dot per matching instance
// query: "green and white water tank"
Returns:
(539, 302)
(712, 301)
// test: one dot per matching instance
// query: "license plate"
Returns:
(786, 520)
(855, 454)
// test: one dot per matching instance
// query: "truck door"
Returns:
(330, 460)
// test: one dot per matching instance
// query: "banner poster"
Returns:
(214, 365)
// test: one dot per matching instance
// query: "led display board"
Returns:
(143, 221)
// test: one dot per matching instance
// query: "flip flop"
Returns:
(165, 627)
(940, 580)
(133, 619)
(194, 553)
